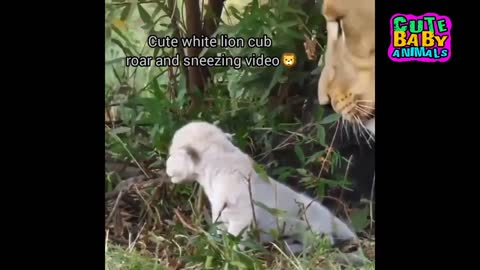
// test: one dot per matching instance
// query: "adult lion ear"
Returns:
(180, 165)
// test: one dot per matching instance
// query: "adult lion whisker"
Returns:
(364, 111)
(364, 130)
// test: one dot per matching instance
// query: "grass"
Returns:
(145, 232)
(159, 228)
(118, 258)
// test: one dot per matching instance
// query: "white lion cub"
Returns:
(202, 152)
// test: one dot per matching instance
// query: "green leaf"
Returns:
(273, 211)
(234, 12)
(286, 24)
(315, 157)
(274, 233)
(203, 52)
(121, 130)
(239, 264)
(321, 134)
(144, 15)
(155, 52)
(283, 79)
(260, 170)
(282, 5)
(157, 164)
(208, 262)
(360, 218)
(114, 61)
(182, 91)
(318, 113)
(330, 119)
(126, 12)
(293, 34)
(321, 190)
(157, 10)
(296, 11)
(302, 172)
(330, 182)
(284, 175)
(253, 245)
(234, 85)
(129, 43)
(275, 79)
(156, 110)
(117, 76)
(125, 50)
(300, 154)
(268, 31)
(157, 90)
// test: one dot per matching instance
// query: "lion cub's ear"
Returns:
(180, 165)
(229, 136)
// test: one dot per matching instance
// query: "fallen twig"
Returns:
(329, 150)
(114, 207)
(115, 136)
(123, 169)
(140, 182)
(184, 222)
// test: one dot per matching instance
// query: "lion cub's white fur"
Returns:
(222, 170)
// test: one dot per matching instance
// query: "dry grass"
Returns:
(149, 230)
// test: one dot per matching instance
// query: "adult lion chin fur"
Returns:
(347, 81)
(227, 176)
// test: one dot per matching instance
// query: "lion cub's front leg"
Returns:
(236, 220)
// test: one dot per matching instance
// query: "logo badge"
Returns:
(424, 38)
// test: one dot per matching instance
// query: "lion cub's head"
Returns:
(348, 77)
(188, 146)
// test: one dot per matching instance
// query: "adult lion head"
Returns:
(348, 77)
